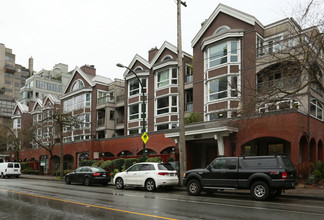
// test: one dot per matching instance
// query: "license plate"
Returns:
(15, 170)
(171, 174)
(103, 174)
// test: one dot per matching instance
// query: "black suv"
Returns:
(264, 175)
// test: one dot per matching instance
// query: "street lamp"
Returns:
(143, 104)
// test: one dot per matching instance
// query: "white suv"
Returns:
(148, 175)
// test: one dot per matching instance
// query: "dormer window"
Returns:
(77, 85)
(167, 57)
(221, 29)
(138, 69)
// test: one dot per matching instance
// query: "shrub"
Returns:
(67, 171)
(303, 170)
(24, 166)
(154, 159)
(193, 117)
(87, 162)
(118, 163)
(112, 174)
(107, 165)
(170, 159)
(97, 163)
(129, 162)
(318, 170)
(30, 171)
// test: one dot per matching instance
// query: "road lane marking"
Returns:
(89, 205)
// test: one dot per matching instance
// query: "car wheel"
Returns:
(194, 187)
(67, 180)
(260, 191)
(3, 176)
(119, 183)
(87, 181)
(150, 185)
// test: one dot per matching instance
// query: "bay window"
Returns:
(222, 53)
(167, 77)
(134, 111)
(77, 102)
(163, 104)
(135, 87)
(218, 88)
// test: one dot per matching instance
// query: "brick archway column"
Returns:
(294, 151)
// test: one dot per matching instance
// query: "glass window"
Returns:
(77, 85)
(218, 164)
(134, 168)
(162, 127)
(217, 115)
(133, 87)
(223, 53)
(133, 111)
(163, 78)
(165, 166)
(218, 54)
(133, 131)
(218, 88)
(163, 105)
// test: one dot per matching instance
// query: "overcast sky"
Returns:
(106, 32)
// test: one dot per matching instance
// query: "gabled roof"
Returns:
(139, 59)
(52, 99)
(85, 76)
(165, 45)
(22, 107)
(226, 10)
(38, 102)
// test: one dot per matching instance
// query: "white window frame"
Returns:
(139, 89)
(230, 53)
(171, 107)
(171, 80)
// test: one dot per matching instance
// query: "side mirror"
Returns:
(209, 167)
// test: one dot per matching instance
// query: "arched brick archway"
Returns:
(267, 146)
(320, 150)
(303, 149)
(313, 150)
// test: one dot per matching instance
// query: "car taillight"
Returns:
(284, 175)
(96, 174)
(163, 173)
(5, 170)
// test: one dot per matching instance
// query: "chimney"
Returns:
(31, 66)
(152, 53)
(89, 69)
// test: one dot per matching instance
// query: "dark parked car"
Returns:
(264, 175)
(88, 175)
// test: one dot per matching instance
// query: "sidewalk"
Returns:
(298, 193)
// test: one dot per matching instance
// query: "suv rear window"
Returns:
(287, 162)
(165, 166)
(17, 165)
(10, 165)
(264, 162)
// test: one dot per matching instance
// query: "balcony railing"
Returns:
(189, 78)
(105, 99)
(286, 83)
(120, 120)
(101, 121)
(120, 98)
(189, 107)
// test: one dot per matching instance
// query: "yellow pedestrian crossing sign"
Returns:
(145, 137)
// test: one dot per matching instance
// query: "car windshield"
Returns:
(97, 169)
(165, 166)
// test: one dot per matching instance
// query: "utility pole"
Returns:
(182, 138)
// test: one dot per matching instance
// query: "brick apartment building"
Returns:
(234, 81)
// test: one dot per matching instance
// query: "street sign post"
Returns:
(145, 137)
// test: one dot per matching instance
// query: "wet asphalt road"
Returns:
(39, 199)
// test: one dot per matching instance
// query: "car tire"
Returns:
(150, 185)
(87, 181)
(194, 187)
(260, 191)
(3, 176)
(119, 183)
(67, 180)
